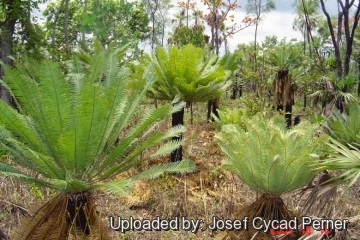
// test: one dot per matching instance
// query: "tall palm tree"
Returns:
(189, 74)
(270, 159)
(65, 130)
(284, 58)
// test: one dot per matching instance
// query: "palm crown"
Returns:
(285, 58)
(188, 73)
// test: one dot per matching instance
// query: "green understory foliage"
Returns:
(229, 116)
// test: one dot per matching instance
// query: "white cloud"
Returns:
(274, 23)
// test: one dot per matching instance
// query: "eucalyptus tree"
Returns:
(12, 12)
(65, 130)
(307, 19)
(105, 20)
(55, 14)
(344, 27)
(271, 160)
(158, 12)
(257, 8)
(186, 74)
(357, 56)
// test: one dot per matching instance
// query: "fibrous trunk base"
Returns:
(65, 217)
(267, 207)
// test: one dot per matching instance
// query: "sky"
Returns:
(278, 22)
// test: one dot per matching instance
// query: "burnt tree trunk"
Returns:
(233, 94)
(282, 94)
(177, 119)
(213, 106)
(209, 105)
(288, 114)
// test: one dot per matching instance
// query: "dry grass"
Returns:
(210, 191)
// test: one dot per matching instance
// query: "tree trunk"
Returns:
(282, 94)
(233, 94)
(288, 114)
(177, 119)
(66, 29)
(215, 107)
(304, 100)
(187, 13)
(83, 31)
(8, 28)
(358, 90)
(209, 105)
(55, 22)
(333, 39)
(255, 45)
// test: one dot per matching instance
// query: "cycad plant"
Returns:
(342, 155)
(65, 132)
(334, 92)
(284, 58)
(270, 159)
(188, 74)
(344, 158)
(344, 127)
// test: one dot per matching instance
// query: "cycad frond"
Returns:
(285, 57)
(184, 166)
(186, 72)
(343, 158)
(345, 127)
(267, 157)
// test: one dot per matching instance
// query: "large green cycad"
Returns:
(187, 74)
(67, 127)
(283, 59)
(269, 159)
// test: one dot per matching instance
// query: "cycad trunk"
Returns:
(282, 94)
(213, 106)
(177, 119)
(67, 216)
(267, 207)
